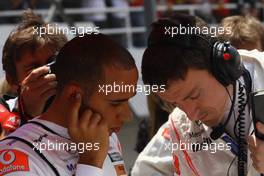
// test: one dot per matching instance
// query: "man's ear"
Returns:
(72, 89)
(12, 83)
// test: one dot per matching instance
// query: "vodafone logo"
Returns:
(7, 157)
(12, 160)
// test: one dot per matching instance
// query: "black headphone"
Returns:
(226, 68)
(226, 63)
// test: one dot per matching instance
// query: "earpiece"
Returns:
(225, 60)
(226, 63)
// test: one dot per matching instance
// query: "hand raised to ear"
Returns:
(36, 89)
(87, 127)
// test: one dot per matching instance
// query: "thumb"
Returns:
(260, 127)
(74, 104)
(252, 140)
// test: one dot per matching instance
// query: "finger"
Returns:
(72, 105)
(103, 123)
(42, 81)
(260, 127)
(251, 148)
(46, 95)
(96, 118)
(252, 141)
(45, 88)
(85, 119)
(28, 91)
(36, 73)
(41, 92)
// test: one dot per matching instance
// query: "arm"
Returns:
(87, 127)
(256, 147)
(155, 159)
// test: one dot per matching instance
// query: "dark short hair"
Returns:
(83, 59)
(23, 39)
(169, 58)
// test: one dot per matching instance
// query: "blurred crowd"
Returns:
(212, 11)
(221, 9)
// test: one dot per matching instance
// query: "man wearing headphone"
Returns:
(210, 132)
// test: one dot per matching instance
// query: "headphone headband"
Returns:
(225, 60)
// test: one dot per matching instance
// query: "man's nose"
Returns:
(191, 110)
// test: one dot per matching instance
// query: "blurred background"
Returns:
(127, 22)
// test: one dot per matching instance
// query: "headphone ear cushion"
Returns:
(218, 67)
(235, 65)
(226, 63)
